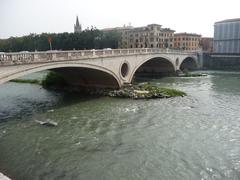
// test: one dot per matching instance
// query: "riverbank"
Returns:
(54, 81)
(28, 81)
(191, 74)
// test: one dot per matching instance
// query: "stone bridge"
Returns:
(98, 68)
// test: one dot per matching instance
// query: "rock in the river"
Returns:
(145, 91)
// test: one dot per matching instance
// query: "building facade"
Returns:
(206, 44)
(187, 41)
(123, 41)
(154, 36)
(227, 36)
(150, 36)
(77, 26)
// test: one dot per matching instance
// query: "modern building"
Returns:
(77, 26)
(150, 36)
(227, 36)
(187, 41)
(206, 44)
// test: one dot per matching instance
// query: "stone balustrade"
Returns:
(49, 56)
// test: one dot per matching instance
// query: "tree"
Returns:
(90, 38)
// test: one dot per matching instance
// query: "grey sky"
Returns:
(21, 17)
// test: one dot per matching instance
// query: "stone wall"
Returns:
(221, 61)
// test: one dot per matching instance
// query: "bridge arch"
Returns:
(110, 79)
(156, 65)
(189, 63)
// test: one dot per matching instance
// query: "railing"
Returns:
(50, 56)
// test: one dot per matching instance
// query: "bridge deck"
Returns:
(18, 58)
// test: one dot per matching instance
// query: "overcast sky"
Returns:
(22, 17)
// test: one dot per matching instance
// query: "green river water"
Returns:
(182, 138)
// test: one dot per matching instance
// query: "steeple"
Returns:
(77, 22)
(77, 26)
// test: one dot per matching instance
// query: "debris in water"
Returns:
(47, 122)
(51, 110)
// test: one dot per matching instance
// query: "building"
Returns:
(227, 36)
(187, 41)
(150, 36)
(77, 26)
(123, 42)
(206, 43)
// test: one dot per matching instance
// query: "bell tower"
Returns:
(77, 26)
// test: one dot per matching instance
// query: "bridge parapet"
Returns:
(7, 59)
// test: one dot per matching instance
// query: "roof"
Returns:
(187, 34)
(154, 24)
(167, 30)
(228, 20)
(117, 28)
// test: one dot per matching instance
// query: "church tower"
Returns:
(77, 26)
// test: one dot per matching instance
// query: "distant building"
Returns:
(123, 42)
(206, 44)
(150, 36)
(227, 36)
(187, 41)
(77, 26)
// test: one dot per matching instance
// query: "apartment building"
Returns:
(154, 36)
(150, 36)
(187, 41)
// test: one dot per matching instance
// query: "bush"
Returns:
(53, 79)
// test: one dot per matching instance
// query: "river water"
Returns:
(192, 137)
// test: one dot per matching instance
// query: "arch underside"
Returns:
(86, 77)
(74, 74)
(188, 64)
(155, 67)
